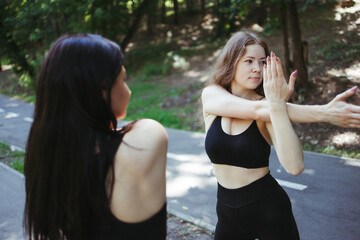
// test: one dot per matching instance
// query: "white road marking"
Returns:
(11, 115)
(296, 186)
(27, 119)
(12, 105)
(16, 148)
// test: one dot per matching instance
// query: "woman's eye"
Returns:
(248, 61)
(263, 62)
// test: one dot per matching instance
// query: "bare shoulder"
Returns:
(147, 129)
(211, 88)
(143, 146)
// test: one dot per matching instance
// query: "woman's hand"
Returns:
(282, 134)
(275, 86)
(341, 113)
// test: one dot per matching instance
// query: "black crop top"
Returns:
(248, 149)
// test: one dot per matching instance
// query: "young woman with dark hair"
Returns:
(86, 179)
(245, 111)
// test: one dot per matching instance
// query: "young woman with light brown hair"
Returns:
(245, 111)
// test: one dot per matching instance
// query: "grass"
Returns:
(331, 150)
(152, 100)
(12, 86)
(14, 159)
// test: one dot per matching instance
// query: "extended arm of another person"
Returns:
(286, 142)
(217, 101)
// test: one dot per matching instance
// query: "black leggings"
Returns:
(260, 210)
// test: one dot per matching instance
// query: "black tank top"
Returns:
(108, 227)
(152, 228)
(248, 149)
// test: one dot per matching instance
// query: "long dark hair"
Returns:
(233, 50)
(70, 148)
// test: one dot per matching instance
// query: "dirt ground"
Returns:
(180, 229)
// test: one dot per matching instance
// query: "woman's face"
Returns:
(248, 71)
(120, 95)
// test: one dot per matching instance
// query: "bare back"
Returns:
(140, 165)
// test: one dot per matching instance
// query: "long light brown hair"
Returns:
(230, 55)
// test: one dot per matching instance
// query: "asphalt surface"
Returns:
(325, 197)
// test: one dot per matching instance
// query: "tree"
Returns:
(163, 11)
(297, 45)
(203, 11)
(285, 42)
(140, 11)
(151, 12)
(28, 28)
(189, 5)
(176, 12)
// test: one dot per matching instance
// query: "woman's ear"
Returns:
(104, 93)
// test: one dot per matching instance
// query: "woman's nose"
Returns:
(256, 67)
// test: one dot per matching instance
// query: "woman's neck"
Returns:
(243, 93)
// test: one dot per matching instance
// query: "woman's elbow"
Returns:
(296, 170)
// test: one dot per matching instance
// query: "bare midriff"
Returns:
(233, 177)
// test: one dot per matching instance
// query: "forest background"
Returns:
(171, 46)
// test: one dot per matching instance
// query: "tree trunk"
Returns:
(140, 11)
(221, 6)
(189, 5)
(176, 13)
(104, 22)
(151, 12)
(203, 11)
(298, 55)
(262, 13)
(163, 11)
(92, 13)
(286, 61)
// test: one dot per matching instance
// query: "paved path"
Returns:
(325, 198)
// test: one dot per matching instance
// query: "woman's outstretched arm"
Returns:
(217, 101)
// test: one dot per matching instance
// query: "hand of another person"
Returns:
(341, 113)
(275, 86)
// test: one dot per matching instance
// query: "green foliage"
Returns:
(28, 28)
(272, 27)
(14, 159)
(156, 69)
(332, 150)
(157, 101)
(337, 50)
(10, 85)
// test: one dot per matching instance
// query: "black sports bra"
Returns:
(248, 149)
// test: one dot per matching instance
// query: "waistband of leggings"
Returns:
(242, 196)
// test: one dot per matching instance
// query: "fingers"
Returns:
(279, 67)
(268, 68)
(348, 93)
(352, 121)
(273, 65)
(265, 77)
(292, 80)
